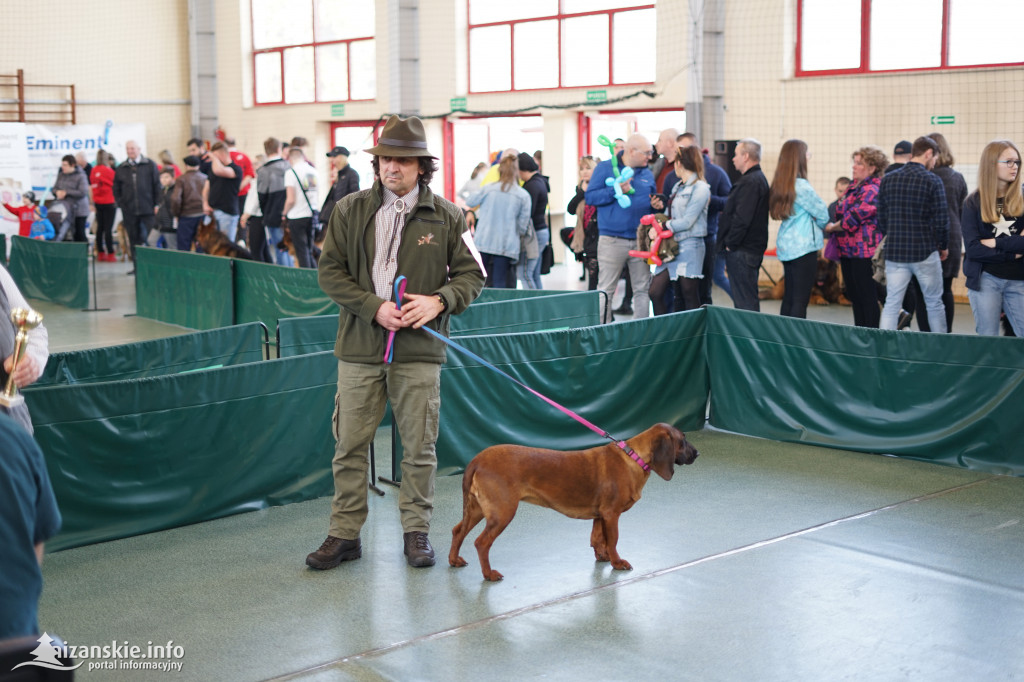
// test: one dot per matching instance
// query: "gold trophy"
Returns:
(24, 320)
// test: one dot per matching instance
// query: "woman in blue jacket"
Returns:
(804, 215)
(503, 217)
(993, 227)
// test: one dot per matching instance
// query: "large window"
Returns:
(861, 36)
(538, 44)
(313, 51)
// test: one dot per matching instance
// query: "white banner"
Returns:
(14, 175)
(30, 155)
(47, 144)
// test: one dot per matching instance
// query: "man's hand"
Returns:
(28, 370)
(420, 309)
(626, 186)
(943, 254)
(389, 316)
(207, 209)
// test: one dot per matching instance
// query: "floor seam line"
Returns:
(497, 618)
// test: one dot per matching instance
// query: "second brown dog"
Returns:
(599, 484)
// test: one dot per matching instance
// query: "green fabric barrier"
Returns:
(300, 335)
(597, 372)
(489, 295)
(265, 292)
(184, 288)
(3, 245)
(576, 309)
(954, 400)
(187, 352)
(51, 271)
(136, 456)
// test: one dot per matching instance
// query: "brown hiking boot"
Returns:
(333, 551)
(418, 551)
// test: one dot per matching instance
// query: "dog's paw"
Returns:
(622, 565)
(601, 556)
(493, 576)
(457, 562)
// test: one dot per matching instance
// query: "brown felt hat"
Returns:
(402, 137)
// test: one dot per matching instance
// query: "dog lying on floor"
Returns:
(600, 483)
(216, 243)
(826, 287)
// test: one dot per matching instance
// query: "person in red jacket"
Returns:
(102, 182)
(26, 213)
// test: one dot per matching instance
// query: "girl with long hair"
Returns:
(804, 215)
(503, 219)
(992, 222)
(688, 220)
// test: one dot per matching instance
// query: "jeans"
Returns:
(226, 223)
(612, 254)
(543, 239)
(187, 228)
(301, 230)
(996, 295)
(499, 271)
(800, 274)
(719, 275)
(743, 267)
(281, 255)
(929, 276)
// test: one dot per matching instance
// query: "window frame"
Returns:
(560, 17)
(280, 49)
(865, 49)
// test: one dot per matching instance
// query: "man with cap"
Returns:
(900, 156)
(398, 227)
(346, 181)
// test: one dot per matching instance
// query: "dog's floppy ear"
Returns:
(663, 452)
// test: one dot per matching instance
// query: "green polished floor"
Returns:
(763, 561)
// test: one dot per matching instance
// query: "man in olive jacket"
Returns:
(396, 228)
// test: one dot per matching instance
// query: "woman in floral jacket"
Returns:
(857, 236)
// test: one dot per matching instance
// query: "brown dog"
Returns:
(216, 243)
(599, 483)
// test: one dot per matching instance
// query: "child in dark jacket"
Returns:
(163, 236)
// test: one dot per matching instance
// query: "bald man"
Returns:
(663, 165)
(617, 226)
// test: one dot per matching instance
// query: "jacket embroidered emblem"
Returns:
(427, 239)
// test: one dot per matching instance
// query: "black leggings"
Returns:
(686, 289)
(79, 234)
(104, 227)
(800, 273)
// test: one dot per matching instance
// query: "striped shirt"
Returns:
(390, 223)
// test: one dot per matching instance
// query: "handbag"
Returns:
(318, 230)
(547, 259)
(878, 263)
(668, 249)
(831, 251)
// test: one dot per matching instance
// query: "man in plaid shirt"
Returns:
(913, 216)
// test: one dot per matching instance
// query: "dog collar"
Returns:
(633, 456)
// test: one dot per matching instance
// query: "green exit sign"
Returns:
(458, 103)
(597, 96)
(943, 120)
(337, 110)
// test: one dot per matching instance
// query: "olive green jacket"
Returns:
(432, 256)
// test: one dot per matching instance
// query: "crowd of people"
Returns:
(251, 201)
(899, 232)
